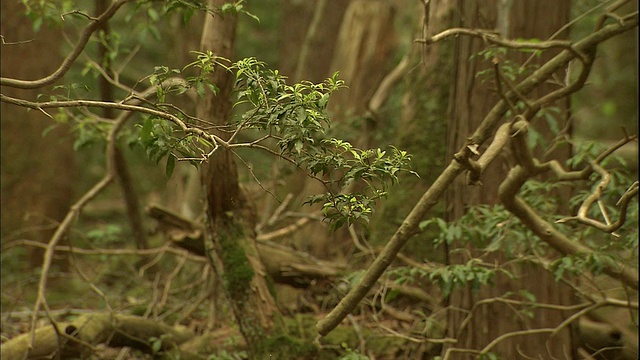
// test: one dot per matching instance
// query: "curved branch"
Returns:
(71, 58)
(531, 219)
(408, 228)
(587, 63)
(215, 140)
(492, 119)
(492, 37)
(508, 335)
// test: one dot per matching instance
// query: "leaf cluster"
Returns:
(294, 118)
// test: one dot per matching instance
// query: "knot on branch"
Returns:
(473, 168)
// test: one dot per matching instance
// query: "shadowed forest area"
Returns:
(316, 179)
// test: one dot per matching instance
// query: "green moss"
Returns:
(238, 271)
(272, 287)
(301, 325)
(288, 347)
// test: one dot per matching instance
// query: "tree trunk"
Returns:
(365, 42)
(471, 100)
(308, 33)
(319, 43)
(232, 249)
(37, 180)
(422, 126)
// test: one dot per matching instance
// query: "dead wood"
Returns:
(78, 338)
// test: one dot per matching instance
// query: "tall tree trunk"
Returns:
(422, 126)
(232, 249)
(129, 193)
(471, 100)
(37, 180)
(308, 33)
(365, 42)
(320, 41)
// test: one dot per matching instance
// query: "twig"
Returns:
(78, 12)
(115, 252)
(278, 211)
(169, 280)
(289, 229)
(362, 343)
(14, 42)
(506, 336)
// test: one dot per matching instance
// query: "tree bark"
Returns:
(471, 100)
(231, 239)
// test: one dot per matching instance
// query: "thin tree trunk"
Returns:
(231, 248)
(309, 34)
(130, 195)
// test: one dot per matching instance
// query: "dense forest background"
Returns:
(161, 202)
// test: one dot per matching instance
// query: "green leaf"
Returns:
(153, 14)
(171, 165)
(200, 88)
(37, 23)
(145, 133)
(156, 345)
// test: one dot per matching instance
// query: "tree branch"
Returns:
(215, 140)
(64, 226)
(71, 58)
(507, 192)
(409, 226)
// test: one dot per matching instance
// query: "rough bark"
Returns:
(232, 249)
(471, 100)
(365, 43)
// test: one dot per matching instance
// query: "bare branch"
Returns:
(215, 140)
(409, 226)
(508, 335)
(491, 37)
(116, 252)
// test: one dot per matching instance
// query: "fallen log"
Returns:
(78, 338)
